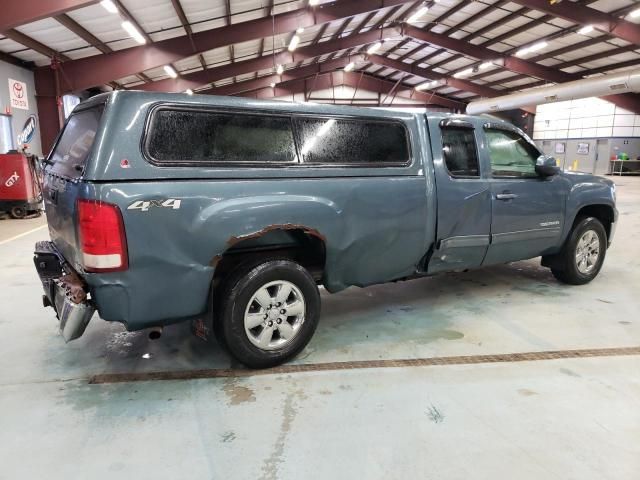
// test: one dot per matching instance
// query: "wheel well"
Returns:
(604, 213)
(302, 245)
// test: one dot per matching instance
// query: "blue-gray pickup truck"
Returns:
(230, 212)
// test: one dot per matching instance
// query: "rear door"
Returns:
(63, 179)
(464, 199)
(527, 209)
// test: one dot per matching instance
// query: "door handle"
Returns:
(506, 196)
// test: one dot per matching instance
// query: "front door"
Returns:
(464, 199)
(527, 209)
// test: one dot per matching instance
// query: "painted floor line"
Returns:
(363, 364)
(23, 234)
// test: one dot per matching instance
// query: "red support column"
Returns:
(50, 114)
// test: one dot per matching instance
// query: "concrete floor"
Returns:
(572, 418)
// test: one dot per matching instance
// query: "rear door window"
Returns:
(75, 143)
(357, 142)
(186, 136)
(460, 152)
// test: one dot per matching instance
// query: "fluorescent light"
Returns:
(532, 48)
(279, 69)
(374, 48)
(349, 66)
(109, 6)
(428, 85)
(133, 31)
(313, 3)
(585, 30)
(413, 18)
(188, 91)
(538, 46)
(635, 13)
(464, 73)
(293, 44)
(170, 71)
(485, 65)
(300, 30)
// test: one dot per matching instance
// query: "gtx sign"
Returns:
(18, 94)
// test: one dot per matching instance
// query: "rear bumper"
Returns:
(64, 290)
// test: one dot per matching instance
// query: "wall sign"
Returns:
(583, 149)
(18, 94)
(28, 130)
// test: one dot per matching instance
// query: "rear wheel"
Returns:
(268, 312)
(582, 256)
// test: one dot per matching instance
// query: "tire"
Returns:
(18, 212)
(577, 265)
(257, 290)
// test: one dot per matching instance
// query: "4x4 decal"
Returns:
(145, 205)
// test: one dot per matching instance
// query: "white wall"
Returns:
(585, 118)
(19, 117)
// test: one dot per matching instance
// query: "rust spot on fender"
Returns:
(215, 260)
(285, 226)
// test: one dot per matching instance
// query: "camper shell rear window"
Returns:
(73, 146)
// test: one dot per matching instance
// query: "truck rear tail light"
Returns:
(102, 237)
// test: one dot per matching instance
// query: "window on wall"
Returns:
(511, 155)
(460, 152)
(6, 134)
(197, 136)
(358, 142)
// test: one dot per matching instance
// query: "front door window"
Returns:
(511, 155)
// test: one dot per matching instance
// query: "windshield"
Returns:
(70, 153)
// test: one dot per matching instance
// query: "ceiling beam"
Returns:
(305, 79)
(605, 22)
(413, 69)
(177, 6)
(97, 70)
(83, 33)
(201, 78)
(19, 12)
(33, 44)
(628, 101)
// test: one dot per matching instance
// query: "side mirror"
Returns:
(546, 166)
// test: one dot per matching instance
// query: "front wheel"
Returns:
(269, 312)
(582, 256)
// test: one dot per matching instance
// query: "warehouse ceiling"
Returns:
(441, 53)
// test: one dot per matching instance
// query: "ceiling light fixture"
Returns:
(463, 73)
(349, 66)
(293, 43)
(188, 91)
(485, 65)
(635, 13)
(272, 85)
(313, 3)
(532, 48)
(374, 48)
(428, 85)
(109, 6)
(414, 18)
(300, 30)
(133, 31)
(279, 69)
(585, 30)
(170, 71)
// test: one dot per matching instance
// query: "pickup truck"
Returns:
(231, 212)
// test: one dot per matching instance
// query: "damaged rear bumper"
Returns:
(64, 290)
